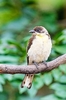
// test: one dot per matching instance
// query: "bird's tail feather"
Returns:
(27, 82)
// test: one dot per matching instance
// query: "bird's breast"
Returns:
(40, 49)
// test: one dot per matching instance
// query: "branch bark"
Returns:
(31, 69)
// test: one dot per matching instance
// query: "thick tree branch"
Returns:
(31, 69)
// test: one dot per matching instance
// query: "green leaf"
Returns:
(47, 78)
(2, 3)
(50, 97)
(60, 49)
(18, 24)
(61, 94)
(62, 79)
(15, 83)
(18, 76)
(5, 58)
(22, 90)
(56, 37)
(63, 68)
(15, 43)
(2, 81)
(56, 74)
(8, 77)
(8, 15)
(1, 88)
(57, 86)
(32, 92)
(38, 82)
(63, 36)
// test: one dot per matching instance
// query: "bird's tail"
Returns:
(27, 82)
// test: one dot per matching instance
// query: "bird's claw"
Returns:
(45, 64)
(36, 64)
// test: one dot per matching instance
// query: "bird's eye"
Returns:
(37, 30)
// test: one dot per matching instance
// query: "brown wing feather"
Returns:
(29, 45)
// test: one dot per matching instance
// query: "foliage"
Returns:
(59, 74)
(17, 17)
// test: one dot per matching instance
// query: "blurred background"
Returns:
(17, 17)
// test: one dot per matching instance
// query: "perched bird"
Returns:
(38, 50)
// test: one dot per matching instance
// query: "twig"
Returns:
(31, 69)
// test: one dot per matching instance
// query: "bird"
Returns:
(38, 50)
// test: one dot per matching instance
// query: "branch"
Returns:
(31, 69)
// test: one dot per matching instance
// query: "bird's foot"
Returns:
(45, 64)
(36, 64)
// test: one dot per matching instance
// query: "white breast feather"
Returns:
(40, 49)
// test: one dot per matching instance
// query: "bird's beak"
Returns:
(31, 31)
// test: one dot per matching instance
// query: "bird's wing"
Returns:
(29, 45)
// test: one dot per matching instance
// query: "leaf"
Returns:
(62, 79)
(5, 58)
(50, 97)
(38, 82)
(2, 3)
(47, 78)
(56, 74)
(15, 43)
(8, 15)
(32, 92)
(22, 90)
(17, 24)
(63, 68)
(60, 48)
(18, 76)
(2, 81)
(56, 37)
(22, 97)
(8, 77)
(48, 20)
(62, 37)
(58, 87)
(15, 83)
(1, 88)
(61, 94)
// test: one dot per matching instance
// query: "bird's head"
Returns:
(39, 31)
